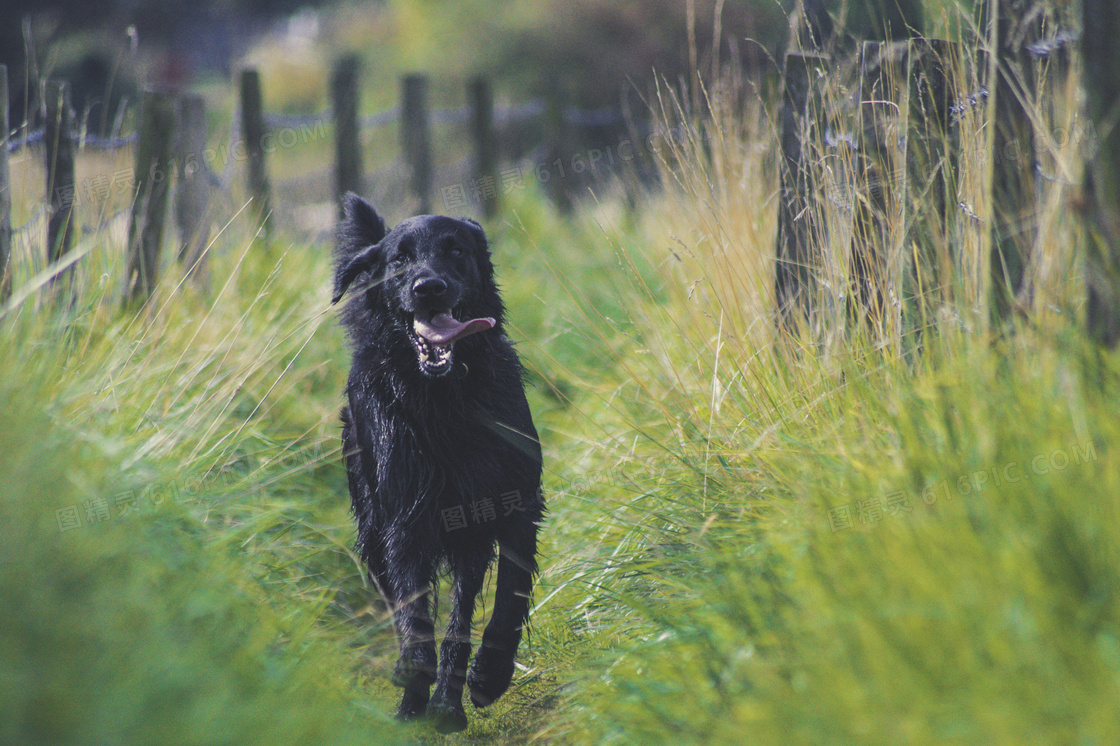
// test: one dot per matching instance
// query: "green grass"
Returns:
(693, 588)
(978, 612)
(178, 550)
(156, 582)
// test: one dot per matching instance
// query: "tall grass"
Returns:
(171, 505)
(178, 551)
(851, 537)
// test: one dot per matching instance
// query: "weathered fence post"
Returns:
(1052, 67)
(149, 208)
(878, 170)
(192, 195)
(554, 175)
(1101, 29)
(932, 146)
(485, 145)
(416, 139)
(800, 235)
(347, 135)
(1014, 224)
(5, 193)
(58, 138)
(253, 133)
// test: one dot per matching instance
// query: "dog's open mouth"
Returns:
(433, 334)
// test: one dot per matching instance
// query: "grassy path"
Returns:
(834, 546)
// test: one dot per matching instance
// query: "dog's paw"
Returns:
(447, 716)
(490, 675)
(414, 704)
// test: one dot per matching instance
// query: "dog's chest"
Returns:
(451, 458)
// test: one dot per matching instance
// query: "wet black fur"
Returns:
(417, 446)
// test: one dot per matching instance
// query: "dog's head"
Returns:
(430, 276)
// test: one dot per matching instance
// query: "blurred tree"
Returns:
(199, 30)
(886, 20)
(597, 47)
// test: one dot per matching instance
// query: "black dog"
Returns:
(442, 456)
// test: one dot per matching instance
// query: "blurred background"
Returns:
(593, 49)
(598, 62)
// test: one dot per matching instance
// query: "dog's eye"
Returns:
(456, 251)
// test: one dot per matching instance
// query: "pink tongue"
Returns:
(442, 329)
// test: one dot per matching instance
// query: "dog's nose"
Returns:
(429, 287)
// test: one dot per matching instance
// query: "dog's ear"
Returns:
(360, 221)
(479, 234)
(359, 241)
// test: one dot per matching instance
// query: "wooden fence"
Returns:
(885, 121)
(902, 175)
(170, 145)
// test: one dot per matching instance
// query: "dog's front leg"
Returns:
(415, 672)
(492, 669)
(446, 707)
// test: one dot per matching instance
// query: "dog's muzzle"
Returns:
(434, 333)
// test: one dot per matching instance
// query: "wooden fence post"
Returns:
(1101, 29)
(485, 145)
(879, 172)
(800, 234)
(192, 194)
(149, 209)
(348, 147)
(253, 133)
(555, 174)
(1014, 224)
(5, 193)
(59, 141)
(932, 152)
(416, 139)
